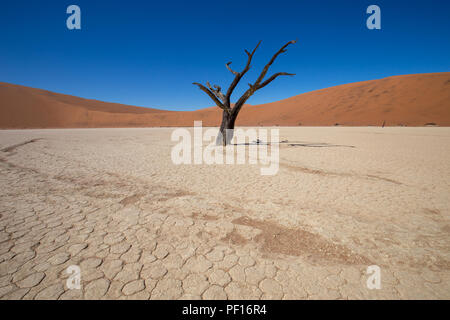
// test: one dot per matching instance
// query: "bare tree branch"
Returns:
(266, 68)
(258, 85)
(229, 68)
(211, 95)
(265, 83)
(239, 75)
(217, 92)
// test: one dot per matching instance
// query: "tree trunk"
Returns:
(226, 128)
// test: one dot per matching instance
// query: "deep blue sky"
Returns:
(148, 53)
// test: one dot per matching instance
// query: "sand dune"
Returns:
(412, 100)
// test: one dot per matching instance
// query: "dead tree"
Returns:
(223, 101)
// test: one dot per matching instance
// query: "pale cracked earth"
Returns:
(140, 227)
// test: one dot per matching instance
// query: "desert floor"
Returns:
(140, 227)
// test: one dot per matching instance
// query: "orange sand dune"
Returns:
(413, 100)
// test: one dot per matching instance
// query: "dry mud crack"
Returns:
(154, 236)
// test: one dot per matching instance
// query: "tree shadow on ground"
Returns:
(295, 144)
